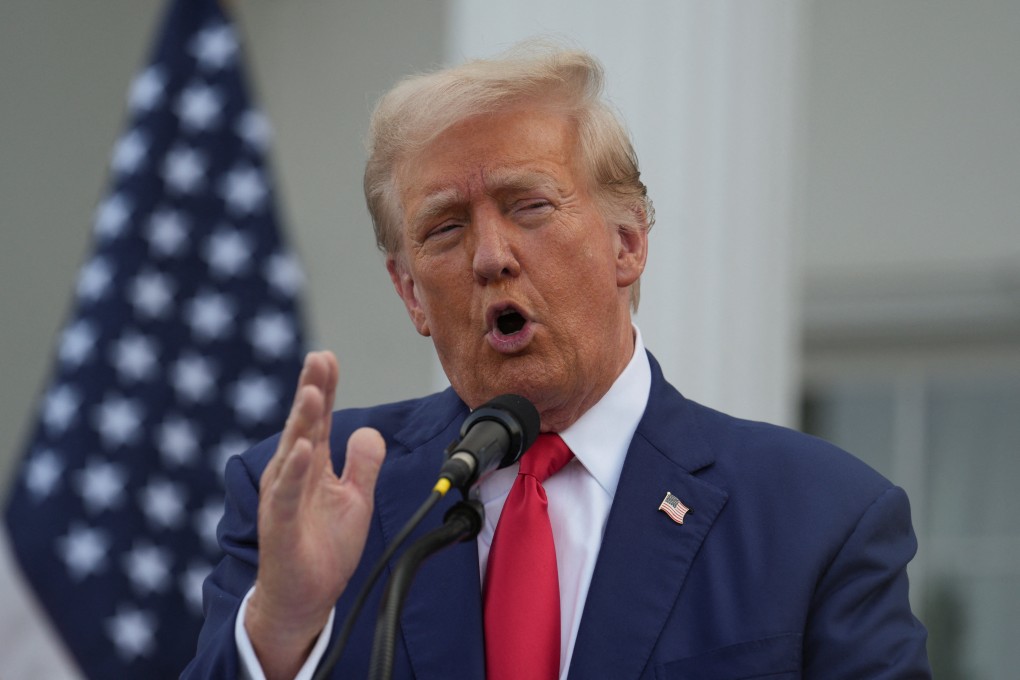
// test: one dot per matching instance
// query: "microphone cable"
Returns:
(438, 491)
(498, 433)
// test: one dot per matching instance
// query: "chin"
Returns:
(537, 389)
(534, 376)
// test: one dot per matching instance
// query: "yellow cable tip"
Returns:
(442, 486)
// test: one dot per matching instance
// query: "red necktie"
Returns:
(522, 592)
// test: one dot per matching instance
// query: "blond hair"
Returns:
(421, 107)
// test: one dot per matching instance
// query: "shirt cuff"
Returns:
(251, 669)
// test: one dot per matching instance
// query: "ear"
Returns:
(631, 253)
(403, 283)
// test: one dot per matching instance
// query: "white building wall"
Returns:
(710, 91)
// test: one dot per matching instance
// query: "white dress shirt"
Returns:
(580, 496)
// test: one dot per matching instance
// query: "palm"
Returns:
(312, 523)
(327, 535)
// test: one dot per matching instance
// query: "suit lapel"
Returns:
(645, 556)
(442, 616)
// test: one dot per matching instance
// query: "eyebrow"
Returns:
(518, 180)
(499, 179)
(434, 205)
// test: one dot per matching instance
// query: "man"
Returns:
(508, 202)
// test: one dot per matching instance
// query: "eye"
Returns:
(533, 207)
(444, 229)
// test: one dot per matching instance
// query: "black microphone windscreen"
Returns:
(524, 411)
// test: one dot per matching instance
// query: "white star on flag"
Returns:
(206, 521)
(118, 420)
(76, 343)
(183, 170)
(151, 294)
(148, 567)
(215, 46)
(199, 107)
(44, 470)
(228, 252)
(272, 334)
(177, 440)
(193, 377)
(253, 127)
(230, 445)
(129, 152)
(134, 357)
(284, 274)
(147, 89)
(94, 279)
(111, 216)
(83, 550)
(162, 502)
(254, 397)
(191, 584)
(209, 314)
(167, 232)
(60, 407)
(101, 485)
(133, 631)
(244, 189)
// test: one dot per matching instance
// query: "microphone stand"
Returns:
(461, 523)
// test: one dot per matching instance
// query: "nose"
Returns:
(495, 255)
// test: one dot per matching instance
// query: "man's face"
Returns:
(508, 265)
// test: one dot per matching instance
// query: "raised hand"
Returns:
(312, 524)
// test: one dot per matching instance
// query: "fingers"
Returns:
(365, 452)
(293, 429)
(287, 489)
(311, 411)
(329, 392)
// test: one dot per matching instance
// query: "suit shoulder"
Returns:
(389, 419)
(383, 417)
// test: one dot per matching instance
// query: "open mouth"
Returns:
(510, 321)
(511, 329)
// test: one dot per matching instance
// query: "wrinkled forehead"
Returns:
(522, 148)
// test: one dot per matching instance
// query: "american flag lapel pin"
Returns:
(672, 506)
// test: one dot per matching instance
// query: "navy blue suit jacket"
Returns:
(791, 563)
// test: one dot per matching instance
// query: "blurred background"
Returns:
(837, 245)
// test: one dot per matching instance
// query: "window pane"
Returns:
(973, 458)
(972, 626)
(966, 513)
(858, 418)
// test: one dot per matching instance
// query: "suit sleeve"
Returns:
(223, 591)
(861, 625)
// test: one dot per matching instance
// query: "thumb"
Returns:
(365, 452)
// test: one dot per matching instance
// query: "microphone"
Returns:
(495, 435)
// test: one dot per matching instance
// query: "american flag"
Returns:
(182, 348)
(672, 506)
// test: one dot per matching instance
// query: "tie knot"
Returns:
(546, 457)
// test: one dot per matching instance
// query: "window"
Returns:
(944, 423)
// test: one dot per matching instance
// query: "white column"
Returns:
(711, 93)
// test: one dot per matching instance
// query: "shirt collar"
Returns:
(601, 437)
